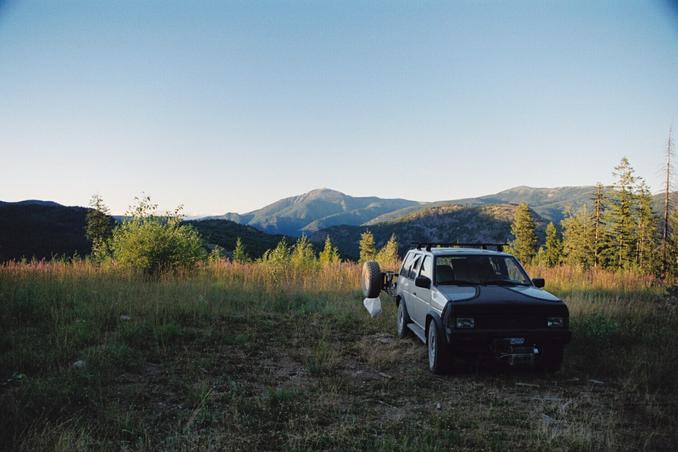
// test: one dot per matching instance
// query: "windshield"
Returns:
(479, 269)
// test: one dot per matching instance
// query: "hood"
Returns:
(503, 300)
(493, 294)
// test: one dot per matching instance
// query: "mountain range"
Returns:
(316, 210)
(44, 228)
(325, 208)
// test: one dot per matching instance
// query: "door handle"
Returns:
(414, 293)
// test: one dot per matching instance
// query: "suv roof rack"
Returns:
(428, 245)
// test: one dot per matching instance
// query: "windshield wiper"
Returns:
(457, 282)
(503, 282)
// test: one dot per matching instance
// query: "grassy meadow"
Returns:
(245, 357)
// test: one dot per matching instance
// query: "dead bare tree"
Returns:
(668, 173)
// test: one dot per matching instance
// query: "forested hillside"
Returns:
(450, 223)
(225, 233)
(41, 229)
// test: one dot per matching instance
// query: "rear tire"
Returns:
(372, 279)
(438, 356)
(402, 319)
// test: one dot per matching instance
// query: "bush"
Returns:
(154, 244)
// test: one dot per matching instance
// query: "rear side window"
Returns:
(407, 263)
(415, 267)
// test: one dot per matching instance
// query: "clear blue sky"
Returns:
(227, 106)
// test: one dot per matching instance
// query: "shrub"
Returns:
(154, 244)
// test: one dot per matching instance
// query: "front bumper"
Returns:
(479, 340)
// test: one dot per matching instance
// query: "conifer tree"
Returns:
(240, 253)
(303, 255)
(368, 250)
(577, 238)
(216, 255)
(620, 233)
(99, 227)
(647, 231)
(388, 256)
(524, 245)
(278, 256)
(330, 253)
(553, 248)
(672, 246)
(597, 223)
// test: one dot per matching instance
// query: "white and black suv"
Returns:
(471, 300)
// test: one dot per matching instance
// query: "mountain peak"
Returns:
(324, 190)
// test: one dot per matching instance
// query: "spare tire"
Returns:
(372, 279)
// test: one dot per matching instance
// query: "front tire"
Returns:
(438, 359)
(402, 319)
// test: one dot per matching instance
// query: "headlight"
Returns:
(465, 322)
(555, 322)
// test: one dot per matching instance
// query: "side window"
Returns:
(427, 268)
(415, 267)
(406, 264)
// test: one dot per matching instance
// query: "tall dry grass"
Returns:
(53, 313)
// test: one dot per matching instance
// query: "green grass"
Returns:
(230, 358)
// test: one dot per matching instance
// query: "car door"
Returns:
(412, 301)
(406, 283)
(422, 296)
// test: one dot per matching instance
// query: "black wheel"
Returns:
(402, 319)
(551, 359)
(438, 358)
(371, 280)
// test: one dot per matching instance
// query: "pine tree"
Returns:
(216, 255)
(597, 223)
(553, 248)
(647, 231)
(99, 227)
(620, 233)
(577, 238)
(303, 255)
(388, 256)
(278, 256)
(368, 250)
(672, 246)
(240, 253)
(524, 245)
(330, 254)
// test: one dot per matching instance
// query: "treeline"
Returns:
(152, 243)
(619, 230)
(302, 253)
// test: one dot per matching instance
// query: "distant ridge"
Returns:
(550, 203)
(32, 202)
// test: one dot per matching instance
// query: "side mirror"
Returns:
(422, 281)
(538, 282)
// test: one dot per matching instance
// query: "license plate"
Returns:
(517, 340)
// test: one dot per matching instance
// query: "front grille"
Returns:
(510, 322)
